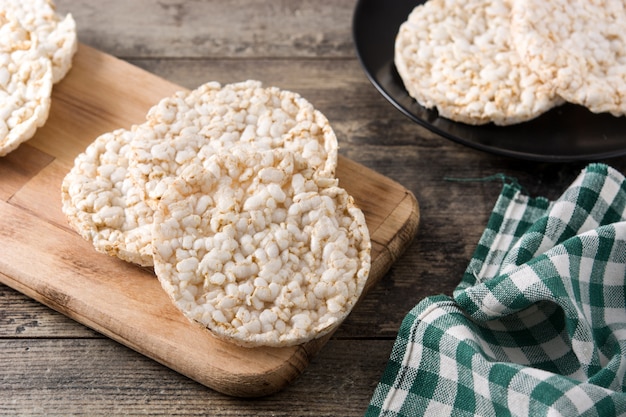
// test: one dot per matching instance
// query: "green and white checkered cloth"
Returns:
(537, 326)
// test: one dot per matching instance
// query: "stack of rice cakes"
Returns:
(36, 51)
(509, 61)
(229, 192)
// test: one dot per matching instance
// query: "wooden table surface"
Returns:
(51, 365)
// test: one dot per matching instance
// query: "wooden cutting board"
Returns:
(46, 260)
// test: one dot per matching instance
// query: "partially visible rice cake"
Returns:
(258, 249)
(104, 205)
(457, 56)
(577, 45)
(25, 84)
(55, 35)
(190, 127)
(36, 50)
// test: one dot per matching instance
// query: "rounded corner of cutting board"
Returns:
(270, 370)
(415, 217)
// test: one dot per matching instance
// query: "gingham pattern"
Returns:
(537, 325)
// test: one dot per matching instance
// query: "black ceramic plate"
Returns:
(564, 134)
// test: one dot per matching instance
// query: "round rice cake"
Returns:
(260, 251)
(56, 35)
(579, 46)
(25, 84)
(103, 205)
(456, 56)
(190, 127)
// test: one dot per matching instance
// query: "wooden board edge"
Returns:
(397, 244)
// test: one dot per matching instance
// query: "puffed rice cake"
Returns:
(577, 45)
(36, 50)
(110, 206)
(192, 126)
(260, 251)
(56, 35)
(25, 84)
(456, 56)
(103, 205)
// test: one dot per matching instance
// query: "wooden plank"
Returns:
(20, 166)
(61, 377)
(197, 28)
(42, 194)
(22, 317)
(45, 260)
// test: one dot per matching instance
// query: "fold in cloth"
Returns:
(537, 325)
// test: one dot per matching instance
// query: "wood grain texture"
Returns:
(125, 302)
(135, 385)
(214, 28)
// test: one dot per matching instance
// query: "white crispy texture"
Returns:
(580, 45)
(109, 207)
(190, 127)
(25, 84)
(456, 56)
(56, 35)
(103, 204)
(260, 251)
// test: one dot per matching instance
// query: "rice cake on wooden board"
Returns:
(43, 258)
